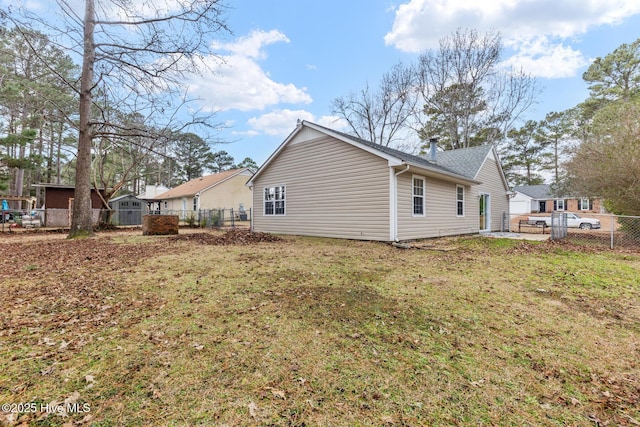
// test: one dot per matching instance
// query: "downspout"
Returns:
(394, 202)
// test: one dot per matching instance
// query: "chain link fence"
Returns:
(61, 218)
(599, 230)
(211, 218)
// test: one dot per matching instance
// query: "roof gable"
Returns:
(465, 161)
(198, 185)
(393, 156)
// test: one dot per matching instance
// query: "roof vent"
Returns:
(433, 143)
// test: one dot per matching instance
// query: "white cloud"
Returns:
(241, 83)
(524, 25)
(282, 122)
(546, 59)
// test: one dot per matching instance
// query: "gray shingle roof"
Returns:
(542, 191)
(463, 162)
(462, 165)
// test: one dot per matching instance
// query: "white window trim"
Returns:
(582, 204)
(458, 201)
(424, 196)
(558, 205)
(264, 200)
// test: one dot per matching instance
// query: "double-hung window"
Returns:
(584, 205)
(418, 196)
(274, 200)
(459, 200)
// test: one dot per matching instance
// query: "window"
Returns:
(460, 200)
(418, 196)
(584, 205)
(274, 200)
(558, 205)
(195, 203)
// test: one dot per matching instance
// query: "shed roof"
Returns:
(198, 185)
(124, 196)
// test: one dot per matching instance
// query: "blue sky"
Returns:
(288, 59)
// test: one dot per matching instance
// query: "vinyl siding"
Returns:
(225, 195)
(492, 184)
(332, 190)
(440, 217)
(228, 194)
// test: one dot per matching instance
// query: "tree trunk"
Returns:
(81, 223)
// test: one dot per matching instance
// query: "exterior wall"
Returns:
(440, 217)
(58, 198)
(533, 206)
(571, 205)
(332, 190)
(493, 185)
(520, 204)
(177, 205)
(228, 194)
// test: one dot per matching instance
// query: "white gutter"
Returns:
(393, 201)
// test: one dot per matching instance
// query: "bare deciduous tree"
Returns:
(467, 99)
(137, 56)
(378, 115)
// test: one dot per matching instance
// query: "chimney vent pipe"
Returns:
(433, 143)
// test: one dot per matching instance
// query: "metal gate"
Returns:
(559, 229)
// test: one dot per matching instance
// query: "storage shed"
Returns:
(128, 210)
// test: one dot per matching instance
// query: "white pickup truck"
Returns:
(573, 221)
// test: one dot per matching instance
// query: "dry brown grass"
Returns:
(304, 331)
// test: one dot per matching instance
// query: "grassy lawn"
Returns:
(131, 330)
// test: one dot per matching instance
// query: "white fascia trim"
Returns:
(393, 205)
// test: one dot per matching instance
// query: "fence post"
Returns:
(613, 220)
(233, 219)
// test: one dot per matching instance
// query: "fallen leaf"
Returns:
(277, 393)
(48, 341)
(253, 410)
(73, 398)
(387, 419)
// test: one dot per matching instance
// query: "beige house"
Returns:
(320, 182)
(224, 190)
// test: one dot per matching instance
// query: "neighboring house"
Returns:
(224, 190)
(58, 204)
(151, 192)
(128, 210)
(540, 199)
(320, 182)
